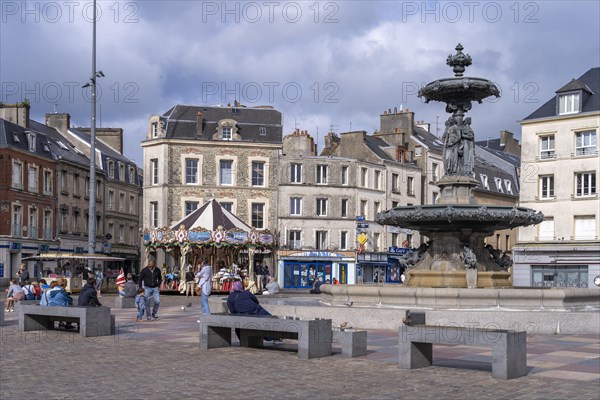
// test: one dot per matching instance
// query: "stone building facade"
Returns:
(559, 175)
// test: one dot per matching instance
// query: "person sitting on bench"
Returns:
(241, 301)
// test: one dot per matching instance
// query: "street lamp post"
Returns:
(92, 203)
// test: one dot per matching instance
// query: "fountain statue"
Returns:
(455, 255)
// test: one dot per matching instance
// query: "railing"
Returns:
(573, 284)
(48, 234)
(33, 232)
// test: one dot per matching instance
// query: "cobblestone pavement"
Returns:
(162, 360)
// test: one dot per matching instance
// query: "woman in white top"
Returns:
(15, 293)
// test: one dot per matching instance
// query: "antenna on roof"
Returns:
(350, 126)
(55, 107)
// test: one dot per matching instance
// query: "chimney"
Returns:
(60, 122)
(16, 113)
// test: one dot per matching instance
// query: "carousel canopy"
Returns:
(210, 216)
(209, 225)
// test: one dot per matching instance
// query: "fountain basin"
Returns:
(459, 89)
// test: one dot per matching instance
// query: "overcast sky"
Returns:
(329, 64)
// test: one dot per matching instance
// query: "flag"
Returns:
(120, 281)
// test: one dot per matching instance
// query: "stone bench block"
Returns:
(354, 343)
(314, 336)
(92, 321)
(124, 302)
(509, 348)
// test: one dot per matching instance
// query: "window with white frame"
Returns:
(395, 186)
(344, 240)
(258, 215)
(191, 171)
(64, 226)
(227, 205)
(87, 186)
(321, 174)
(585, 184)
(122, 172)
(498, 183)
(322, 207)
(546, 186)
(568, 103)
(410, 186)
(17, 175)
(131, 208)
(227, 133)
(344, 208)
(121, 233)
(434, 171)
(547, 147)
(295, 173)
(345, 172)
(63, 180)
(122, 202)
(484, 181)
(364, 177)
(321, 240)
(131, 175)
(258, 173)
(295, 206)
(47, 225)
(377, 179)
(585, 143)
(48, 183)
(585, 227)
(154, 214)
(395, 237)
(33, 223)
(31, 141)
(363, 208)
(154, 129)
(377, 207)
(190, 207)
(546, 229)
(226, 172)
(111, 200)
(76, 191)
(154, 171)
(262, 130)
(17, 220)
(32, 178)
(111, 169)
(295, 239)
(508, 185)
(376, 241)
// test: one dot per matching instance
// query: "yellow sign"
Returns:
(362, 238)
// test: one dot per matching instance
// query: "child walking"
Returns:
(140, 305)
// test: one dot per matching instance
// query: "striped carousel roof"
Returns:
(210, 216)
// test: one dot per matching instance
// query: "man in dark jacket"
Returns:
(88, 296)
(150, 280)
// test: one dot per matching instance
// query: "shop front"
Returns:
(380, 267)
(300, 269)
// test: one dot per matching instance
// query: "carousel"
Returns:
(210, 232)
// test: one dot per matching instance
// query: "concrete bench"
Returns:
(2, 313)
(353, 342)
(509, 348)
(314, 336)
(124, 302)
(92, 321)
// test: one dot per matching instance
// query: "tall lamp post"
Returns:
(92, 203)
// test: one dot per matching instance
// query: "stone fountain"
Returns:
(455, 255)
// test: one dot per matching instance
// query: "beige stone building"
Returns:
(559, 172)
(195, 153)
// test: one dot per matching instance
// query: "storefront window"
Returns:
(302, 275)
(559, 276)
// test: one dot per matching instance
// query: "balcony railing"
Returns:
(33, 232)
(48, 234)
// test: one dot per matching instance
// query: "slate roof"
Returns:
(428, 138)
(181, 122)
(375, 144)
(590, 81)
(493, 146)
(54, 137)
(10, 131)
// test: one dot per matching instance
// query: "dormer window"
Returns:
(568, 103)
(154, 129)
(484, 181)
(227, 133)
(111, 169)
(31, 140)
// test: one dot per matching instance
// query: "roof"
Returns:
(588, 82)
(181, 122)
(210, 216)
(492, 146)
(60, 146)
(15, 136)
(427, 138)
(376, 144)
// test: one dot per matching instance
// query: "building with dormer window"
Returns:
(559, 173)
(195, 153)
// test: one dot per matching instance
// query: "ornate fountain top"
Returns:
(459, 61)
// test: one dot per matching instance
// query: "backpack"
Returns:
(30, 294)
